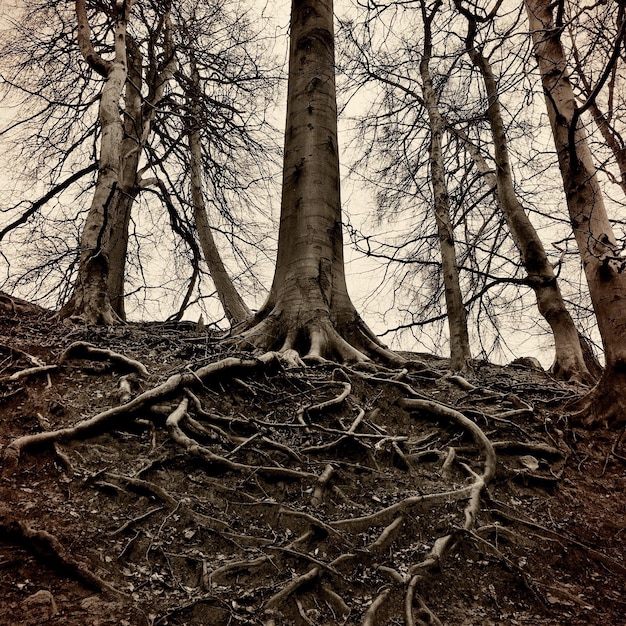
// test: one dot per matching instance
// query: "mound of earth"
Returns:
(150, 476)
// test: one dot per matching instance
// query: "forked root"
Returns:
(316, 339)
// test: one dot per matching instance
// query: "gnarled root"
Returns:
(316, 338)
(605, 404)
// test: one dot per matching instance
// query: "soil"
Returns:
(294, 495)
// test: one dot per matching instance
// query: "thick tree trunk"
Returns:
(460, 354)
(90, 300)
(234, 307)
(569, 363)
(308, 309)
(599, 251)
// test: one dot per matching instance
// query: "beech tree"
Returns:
(234, 307)
(394, 136)
(90, 299)
(460, 354)
(569, 363)
(154, 131)
(601, 254)
(597, 78)
(308, 310)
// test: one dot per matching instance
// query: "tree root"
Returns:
(98, 423)
(34, 371)
(84, 350)
(47, 546)
(212, 459)
(276, 600)
(425, 615)
(370, 618)
(335, 542)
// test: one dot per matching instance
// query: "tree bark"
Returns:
(90, 300)
(139, 114)
(98, 295)
(598, 247)
(460, 354)
(116, 247)
(308, 309)
(569, 363)
(234, 307)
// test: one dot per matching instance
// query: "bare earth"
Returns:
(290, 495)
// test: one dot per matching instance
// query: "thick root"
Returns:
(315, 339)
(605, 405)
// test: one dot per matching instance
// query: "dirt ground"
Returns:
(228, 490)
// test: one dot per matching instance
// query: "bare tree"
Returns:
(604, 29)
(308, 309)
(234, 307)
(600, 252)
(460, 354)
(569, 362)
(154, 120)
(90, 299)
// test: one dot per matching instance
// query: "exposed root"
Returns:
(293, 468)
(84, 350)
(425, 615)
(48, 547)
(276, 600)
(110, 417)
(212, 459)
(34, 371)
(322, 483)
(605, 405)
(359, 524)
(371, 615)
(314, 338)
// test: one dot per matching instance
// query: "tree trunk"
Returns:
(599, 251)
(90, 300)
(308, 309)
(460, 354)
(569, 363)
(235, 308)
(130, 150)
(138, 117)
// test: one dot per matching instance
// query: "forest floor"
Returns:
(248, 492)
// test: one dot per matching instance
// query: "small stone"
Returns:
(39, 607)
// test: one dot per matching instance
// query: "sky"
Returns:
(363, 275)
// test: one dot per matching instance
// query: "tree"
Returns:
(601, 255)
(383, 58)
(605, 27)
(308, 309)
(90, 299)
(154, 119)
(569, 363)
(234, 307)
(460, 354)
